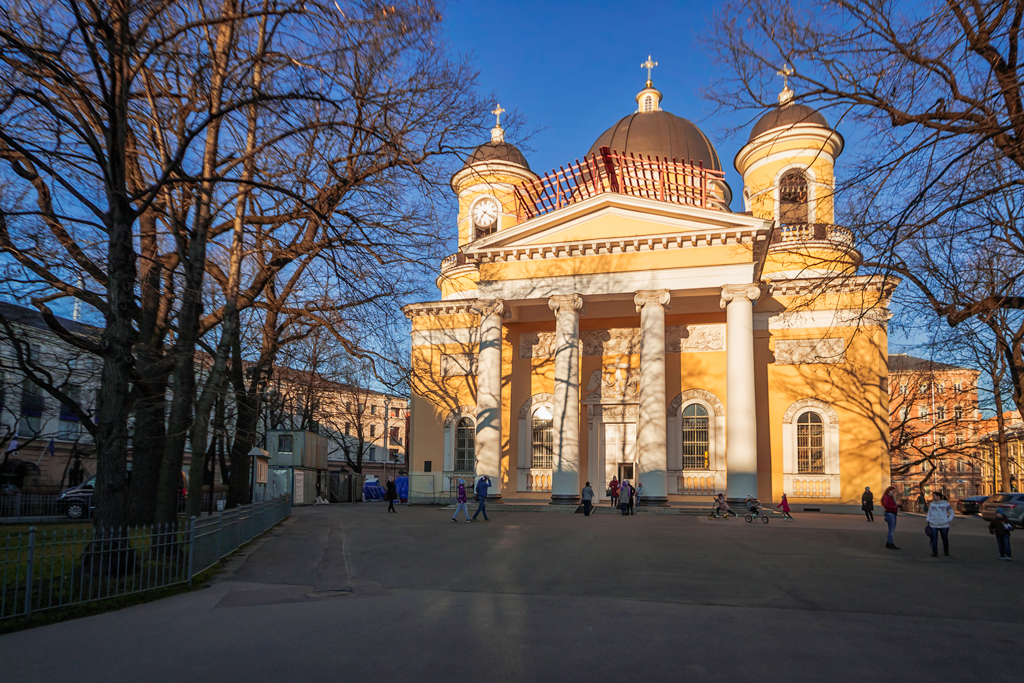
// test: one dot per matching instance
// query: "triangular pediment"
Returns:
(612, 217)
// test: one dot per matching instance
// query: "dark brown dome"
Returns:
(660, 134)
(497, 151)
(788, 115)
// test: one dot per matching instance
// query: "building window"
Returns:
(922, 388)
(958, 412)
(373, 431)
(793, 205)
(810, 442)
(648, 103)
(261, 471)
(922, 412)
(348, 429)
(695, 437)
(32, 404)
(941, 387)
(905, 413)
(543, 442)
(957, 386)
(373, 409)
(959, 439)
(428, 465)
(942, 440)
(961, 490)
(943, 466)
(940, 412)
(284, 443)
(903, 390)
(961, 466)
(69, 429)
(465, 445)
(373, 453)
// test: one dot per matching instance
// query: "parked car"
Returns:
(77, 500)
(970, 506)
(1012, 504)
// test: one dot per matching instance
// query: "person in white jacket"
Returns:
(940, 514)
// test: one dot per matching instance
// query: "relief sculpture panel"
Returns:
(808, 351)
(694, 338)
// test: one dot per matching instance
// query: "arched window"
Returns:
(793, 204)
(543, 438)
(649, 103)
(695, 437)
(465, 446)
(810, 443)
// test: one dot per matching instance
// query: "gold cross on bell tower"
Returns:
(497, 113)
(785, 73)
(649, 64)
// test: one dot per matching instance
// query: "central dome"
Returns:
(660, 134)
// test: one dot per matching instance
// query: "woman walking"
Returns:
(940, 514)
(867, 504)
(1001, 527)
(462, 502)
(891, 510)
(613, 491)
(639, 492)
(785, 508)
(391, 495)
(632, 499)
(587, 497)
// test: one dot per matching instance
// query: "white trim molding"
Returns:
(806, 484)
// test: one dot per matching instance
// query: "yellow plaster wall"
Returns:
(498, 185)
(617, 263)
(606, 227)
(760, 181)
(459, 282)
(800, 258)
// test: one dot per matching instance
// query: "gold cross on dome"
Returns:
(497, 113)
(648, 65)
(785, 73)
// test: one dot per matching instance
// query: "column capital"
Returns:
(738, 292)
(662, 297)
(486, 307)
(562, 304)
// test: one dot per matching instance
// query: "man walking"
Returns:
(625, 490)
(482, 484)
(891, 509)
(587, 496)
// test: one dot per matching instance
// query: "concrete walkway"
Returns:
(352, 593)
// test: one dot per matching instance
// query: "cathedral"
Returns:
(616, 319)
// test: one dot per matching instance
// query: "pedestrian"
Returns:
(482, 484)
(613, 491)
(588, 499)
(891, 510)
(639, 492)
(922, 504)
(1001, 527)
(624, 491)
(867, 503)
(940, 514)
(632, 499)
(462, 502)
(785, 508)
(391, 494)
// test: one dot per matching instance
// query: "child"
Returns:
(462, 502)
(785, 508)
(722, 506)
(1001, 527)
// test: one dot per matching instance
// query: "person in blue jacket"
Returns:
(482, 485)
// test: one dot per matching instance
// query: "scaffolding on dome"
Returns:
(620, 173)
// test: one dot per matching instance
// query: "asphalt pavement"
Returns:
(352, 593)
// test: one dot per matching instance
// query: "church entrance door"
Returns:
(617, 453)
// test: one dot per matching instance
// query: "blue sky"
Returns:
(573, 69)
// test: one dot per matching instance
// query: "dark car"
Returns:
(970, 506)
(77, 500)
(1012, 504)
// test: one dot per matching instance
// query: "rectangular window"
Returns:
(957, 386)
(940, 412)
(903, 390)
(959, 439)
(922, 412)
(941, 387)
(961, 490)
(348, 429)
(373, 453)
(942, 440)
(958, 412)
(428, 465)
(943, 466)
(284, 443)
(261, 471)
(922, 387)
(373, 431)
(373, 409)
(32, 405)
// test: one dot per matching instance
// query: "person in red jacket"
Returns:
(891, 509)
(785, 508)
(614, 488)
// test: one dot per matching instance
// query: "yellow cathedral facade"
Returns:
(614, 318)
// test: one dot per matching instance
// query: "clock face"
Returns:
(485, 212)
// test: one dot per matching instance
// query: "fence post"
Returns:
(220, 527)
(191, 548)
(30, 570)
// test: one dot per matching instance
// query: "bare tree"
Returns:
(937, 197)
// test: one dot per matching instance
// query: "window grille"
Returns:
(465, 445)
(695, 437)
(543, 438)
(793, 207)
(810, 442)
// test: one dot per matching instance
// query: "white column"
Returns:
(488, 395)
(652, 448)
(565, 474)
(740, 403)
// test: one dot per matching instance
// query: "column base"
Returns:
(653, 501)
(564, 499)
